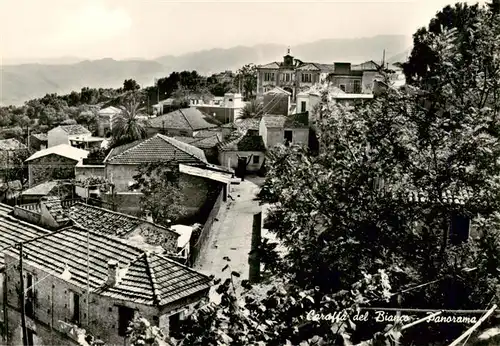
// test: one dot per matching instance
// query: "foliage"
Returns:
(373, 158)
(141, 332)
(162, 195)
(128, 127)
(130, 85)
(252, 109)
(276, 313)
(247, 78)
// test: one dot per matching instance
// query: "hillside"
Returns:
(22, 82)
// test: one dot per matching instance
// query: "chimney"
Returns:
(149, 216)
(112, 273)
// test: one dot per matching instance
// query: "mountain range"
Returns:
(27, 80)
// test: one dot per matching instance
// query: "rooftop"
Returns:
(64, 150)
(222, 177)
(105, 221)
(244, 143)
(156, 148)
(184, 119)
(299, 120)
(11, 144)
(74, 129)
(40, 136)
(42, 189)
(148, 279)
(200, 142)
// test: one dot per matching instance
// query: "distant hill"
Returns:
(26, 81)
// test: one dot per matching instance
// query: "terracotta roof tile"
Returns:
(280, 121)
(157, 148)
(105, 221)
(184, 119)
(140, 276)
(244, 143)
(74, 129)
(202, 143)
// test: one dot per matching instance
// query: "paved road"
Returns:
(231, 236)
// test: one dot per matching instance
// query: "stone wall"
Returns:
(50, 167)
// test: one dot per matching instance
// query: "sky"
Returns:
(120, 29)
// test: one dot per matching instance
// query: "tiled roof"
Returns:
(144, 279)
(243, 125)
(64, 150)
(42, 189)
(448, 197)
(184, 119)
(105, 221)
(308, 67)
(158, 148)
(208, 133)
(40, 136)
(273, 65)
(278, 90)
(244, 143)
(74, 129)
(11, 144)
(291, 121)
(202, 142)
(54, 206)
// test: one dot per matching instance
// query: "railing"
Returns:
(31, 206)
(197, 242)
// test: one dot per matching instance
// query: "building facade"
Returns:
(295, 76)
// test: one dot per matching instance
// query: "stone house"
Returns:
(294, 76)
(65, 134)
(38, 141)
(181, 122)
(77, 279)
(277, 101)
(122, 165)
(57, 162)
(278, 129)
(249, 146)
(105, 120)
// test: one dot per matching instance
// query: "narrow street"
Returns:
(232, 233)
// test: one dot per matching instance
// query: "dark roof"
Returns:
(11, 144)
(147, 279)
(157, 148)
(40, 136)
(184, 119)
(201, 142)
(55, 208)
(74, 129)
(299, 120)
(106, 221)
(244, 143)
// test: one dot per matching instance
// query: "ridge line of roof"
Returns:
(126, 215)
(152, 277)
(167, 139)
(185, 118)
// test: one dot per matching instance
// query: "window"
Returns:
(288, 137)
(74, 307)
(459, 229)
(303, 106)
(256, 159)
(287, 77)
(268, 76)
(357, 87)
(342, 87)
(125, 316)
(306, 78)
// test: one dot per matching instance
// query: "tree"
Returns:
(162, 195)
(359, 189)
(128, 127)
(130, 85)
(252, 109)
(246, 78)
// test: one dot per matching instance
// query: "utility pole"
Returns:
(23, 305)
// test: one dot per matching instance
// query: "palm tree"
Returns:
(128, 126)
(253, 109)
